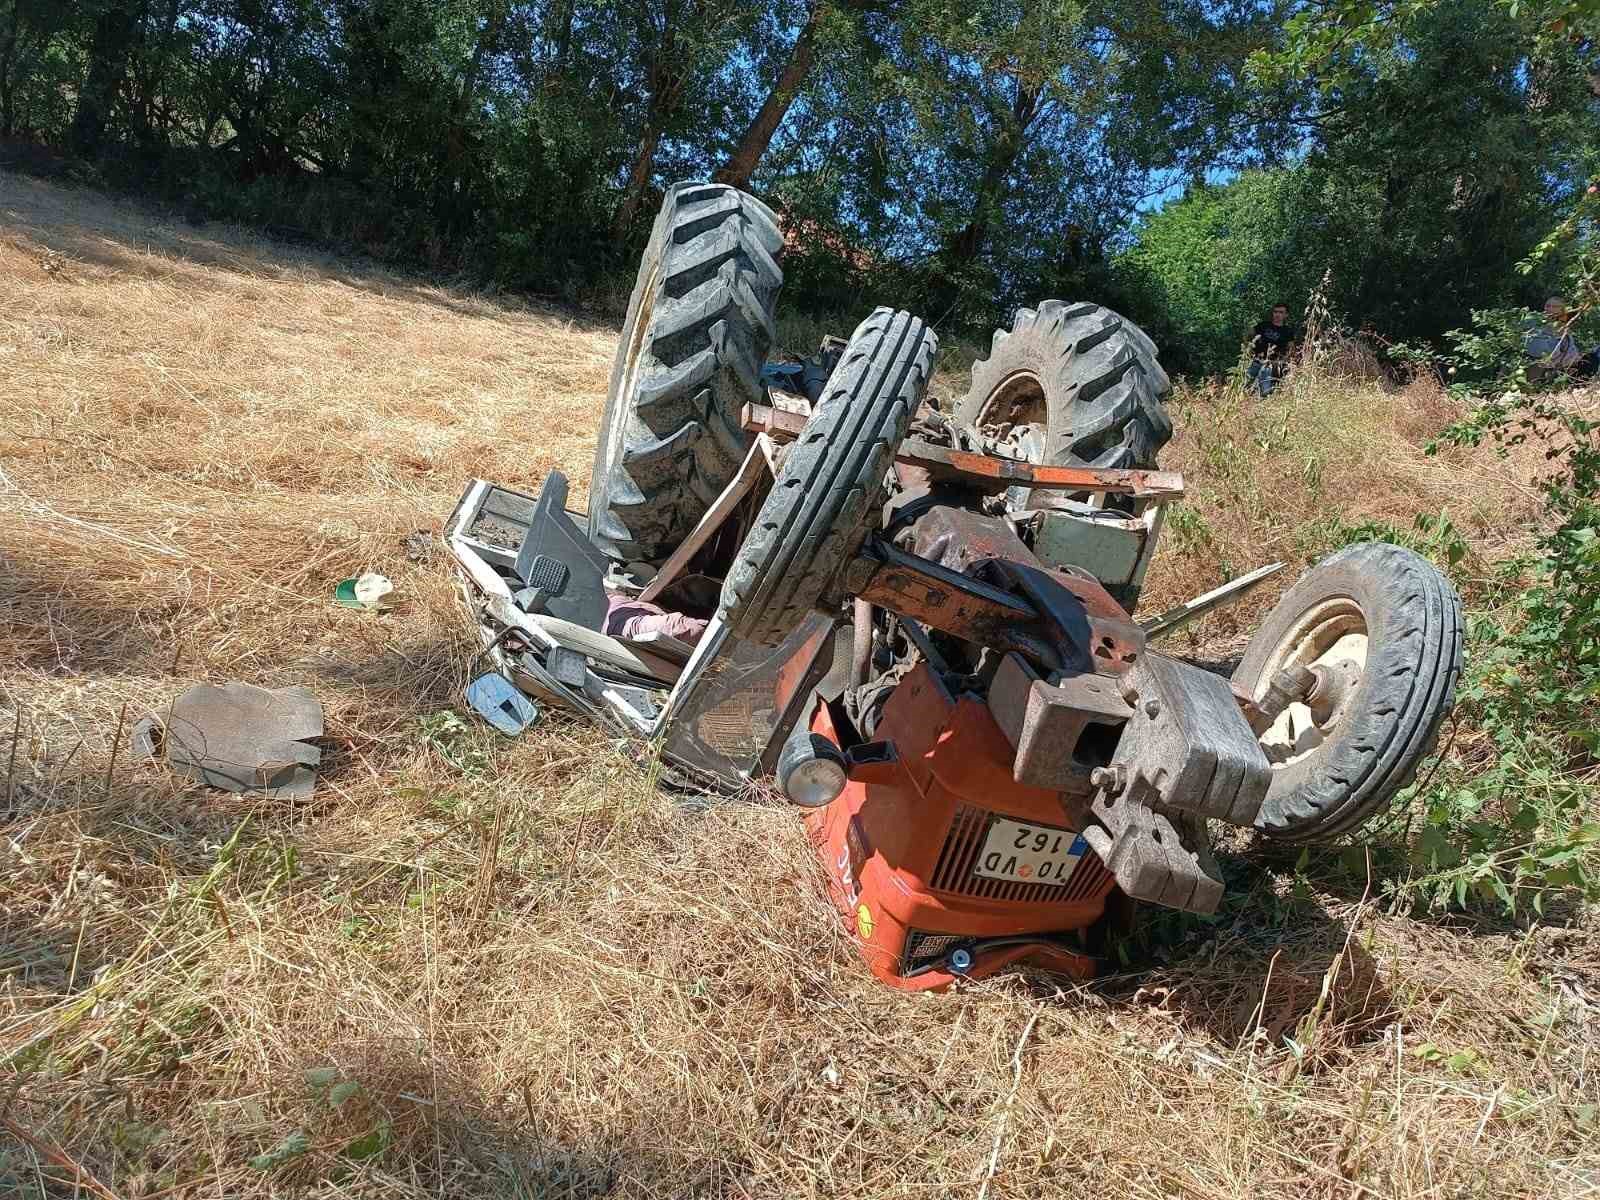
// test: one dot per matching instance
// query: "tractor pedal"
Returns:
(567, 666)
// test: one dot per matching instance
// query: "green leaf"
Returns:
(373, 1142)
(1462, 1060)
(322, 1078)
(342, 1092)
(291, 1148)
(1353, 861)
(1434, 849)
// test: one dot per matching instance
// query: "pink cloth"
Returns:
(630, 618)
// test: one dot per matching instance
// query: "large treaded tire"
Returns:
(831, 484)
(697, 333)
(1093, 373)
(1391, 723)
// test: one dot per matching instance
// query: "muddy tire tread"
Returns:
(712, 274)
(832, 480)
(1104, 388)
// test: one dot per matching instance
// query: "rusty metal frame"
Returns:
(1057, 621)
(942, 599)
(986, 473)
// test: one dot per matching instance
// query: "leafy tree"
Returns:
(682, 48)
(1208, 266)
(959, 158)
(38, 68)
(1424, 175)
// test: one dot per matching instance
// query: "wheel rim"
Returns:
(1014, 416)
(1331, 639)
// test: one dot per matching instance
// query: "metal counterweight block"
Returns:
(1165, 861)
(1185, 755)
(1062, 731)
(1187, 747)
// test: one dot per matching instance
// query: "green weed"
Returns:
(461, 746)
(1516, 823)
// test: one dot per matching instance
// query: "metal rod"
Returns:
(860, 643)
(987, 471)
(1176, 618)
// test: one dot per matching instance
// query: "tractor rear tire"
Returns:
(697, 333)
(1394, 611)
(831, 485)
(1084, 377)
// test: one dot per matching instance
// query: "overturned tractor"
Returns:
(920, 626)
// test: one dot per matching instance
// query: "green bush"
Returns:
(1513, 819)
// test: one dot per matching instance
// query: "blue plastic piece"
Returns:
(494, 698)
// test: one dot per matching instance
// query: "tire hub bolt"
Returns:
(1110, 778)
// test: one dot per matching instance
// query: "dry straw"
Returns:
(473, 968)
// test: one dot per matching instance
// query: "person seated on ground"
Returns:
(1269, 350)
(1553, 348)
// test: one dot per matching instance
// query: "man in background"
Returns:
(1553, 348)
(1269, 350)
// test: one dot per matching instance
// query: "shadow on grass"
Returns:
(86, 633)
(57, 218)
(1271, 965)
(370, 1111)
(348, 1092)
(1380, 869)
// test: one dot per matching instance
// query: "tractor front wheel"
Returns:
(831, 485)
(1380, 629)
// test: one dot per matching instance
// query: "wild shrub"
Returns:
(1514, 819)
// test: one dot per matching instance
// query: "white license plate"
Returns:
(1030, 853)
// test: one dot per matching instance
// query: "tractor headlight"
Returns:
(811, 770)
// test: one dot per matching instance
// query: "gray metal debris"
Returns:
(246, 739)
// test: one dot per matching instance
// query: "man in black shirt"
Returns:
(1269, 350)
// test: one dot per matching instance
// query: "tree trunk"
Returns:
(564, 42)
(153, 73)
(638, 177)
(665, 79)
(108, 62)
(8, 50)
(969, 241)
(453, 182)
(743, 161)
(469, 81)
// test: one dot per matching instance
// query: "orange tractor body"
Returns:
(914, 862)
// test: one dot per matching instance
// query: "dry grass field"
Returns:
(479, 968)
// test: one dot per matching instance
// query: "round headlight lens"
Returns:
(811, 770)
(815, 783)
